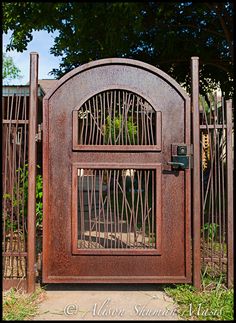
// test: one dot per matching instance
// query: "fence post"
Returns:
(32, 160)
(229, 165)
(196, 174)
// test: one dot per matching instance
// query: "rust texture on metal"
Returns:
(196, 173)
(61, 184)
(216, 186)
(15, 283)
(32, 161)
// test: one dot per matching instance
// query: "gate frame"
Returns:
(196, 188)
(47, 278)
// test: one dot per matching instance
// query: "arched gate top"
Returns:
(119, 61)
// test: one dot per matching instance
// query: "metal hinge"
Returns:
(38, 136)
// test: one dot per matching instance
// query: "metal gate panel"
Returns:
(65, 157)
(115, 209)
(106, 122)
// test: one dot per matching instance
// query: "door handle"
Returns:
(181, 160)
(176, 165)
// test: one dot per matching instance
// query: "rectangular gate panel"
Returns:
(116, 208)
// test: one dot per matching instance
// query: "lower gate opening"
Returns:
(116, 209)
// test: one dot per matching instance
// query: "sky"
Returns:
(41, 43)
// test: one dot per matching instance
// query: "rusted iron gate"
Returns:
(117, 185)
(204, 227)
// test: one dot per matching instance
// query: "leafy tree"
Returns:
(9, 70)
(164, 34)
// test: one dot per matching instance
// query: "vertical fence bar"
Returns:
(196, 174)
(229, 163)
(31, 241)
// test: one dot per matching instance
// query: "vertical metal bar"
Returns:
(196, 174)
(93, 119)
(202, 197)
(119, 225)
(132, 220)
(109, 204)
(229, 161)
(114, 207)
(89, 208)
(90, 125)
(75, 130)
(86, 126)
(147, 128)
(223, 178)
(109, 141)
(94, 177)
(219, 122)
(81, 141)
(31, 220)
(158, 139)
(154, 234)
(114, 116)
(214, 181)
(24, 162)
(219, 186)
(97, 120)
(82, 199)
(100, 116)
(137, 112)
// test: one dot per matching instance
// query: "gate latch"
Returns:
(181, 160)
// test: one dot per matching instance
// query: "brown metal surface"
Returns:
(32, 160)
(196, 174)
(15, 283)
(165, 96)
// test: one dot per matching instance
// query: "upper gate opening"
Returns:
(116, 119)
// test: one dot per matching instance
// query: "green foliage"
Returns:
(9, 70)
(39, 200)
(211, 230)
(213, 303)
(18, 306)
(19, 200)
(164, 34)
(114, 127)
(24, 172)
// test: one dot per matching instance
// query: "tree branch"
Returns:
(227, 33)
(212, 62)
(203, 29)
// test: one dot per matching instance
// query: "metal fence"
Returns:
(15, 170)
(216, 135)
(15, 118)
